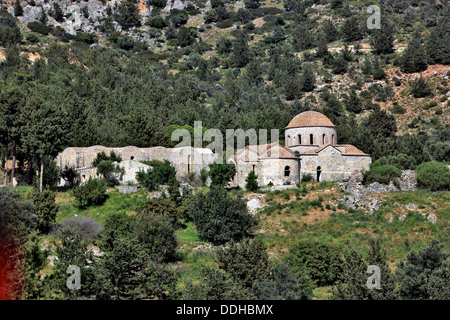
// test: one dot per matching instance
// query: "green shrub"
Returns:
(251, 181)
(220, 218)
(157, 22)
(162, 173)
(39, 27)
(9, 31)
(204, 174)
(382, 174)
(45, 208)
(433, 175)
(92, 192)
(245, 262)
(157, 235)
(221, 174)
(307, 177)
(322, 261)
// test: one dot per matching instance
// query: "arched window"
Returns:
(253, 168)
(332, 140)
(287, 171)
(323, 139)
(132, 158)
(311, 139)
(289, 140)
(319, 171)
(299, 139)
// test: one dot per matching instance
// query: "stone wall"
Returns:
(333, 164)
(186, 160)
(268, 171)
(305, 132)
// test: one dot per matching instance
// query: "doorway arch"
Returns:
(319, 173)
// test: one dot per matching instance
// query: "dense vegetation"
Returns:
(59, 90)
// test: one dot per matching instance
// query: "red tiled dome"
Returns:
(310, 119)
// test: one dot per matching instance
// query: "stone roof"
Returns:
(310, 119)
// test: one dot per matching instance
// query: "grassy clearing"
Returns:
(116, 202)
(287, 219)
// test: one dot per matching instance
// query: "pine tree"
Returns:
(382, 40)
(377, 257)
(308, 79)
(353, 103)
(251, 181)
(425, 274)
(331, 32)
(128, 14)
(18, 10)
(414, 59)
(437, 48)
(351, 30)
(57, 12)
(241, 52)
(303, 38)
(322, 46)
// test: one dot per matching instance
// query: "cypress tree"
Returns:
(414, 59)
(437, 45)
(18, 10)
(241, 52)
(382, 40)
(351, 30)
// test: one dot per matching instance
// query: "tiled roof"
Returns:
(271, 150)
(310, 119)
(348, 150)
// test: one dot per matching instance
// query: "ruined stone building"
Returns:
(185, 160)
(312, 148)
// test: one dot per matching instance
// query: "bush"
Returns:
(162, 207)
(157, 22)
(283, 284)
(245, 262)
(9, 31)
(157, 235)
(216, 285)
(45, 208)
(92, 192)
(307, 177)
(382, 174)
(70, 175)
(86, 227)
(420, 88)
(204, 174)
(32, 38)
(220, 218)
(221, 174)
(251, 181)
(433, 175)
(39, 27)
(322, 261)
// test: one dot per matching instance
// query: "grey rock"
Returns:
(127, 189)
(432, 218)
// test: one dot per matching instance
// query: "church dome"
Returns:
(310, 119)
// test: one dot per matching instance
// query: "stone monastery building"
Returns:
(311, 148)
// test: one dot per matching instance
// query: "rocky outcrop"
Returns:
(360, 195)
(86, 16)
(254, 201)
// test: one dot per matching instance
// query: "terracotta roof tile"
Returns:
(310, 119)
